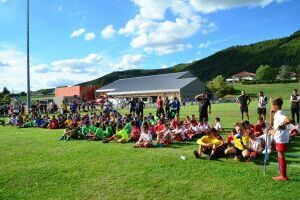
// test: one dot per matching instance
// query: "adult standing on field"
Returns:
(140, 105)
(159, 106)
(262, 105)
(167, 107)
(295, 108)
(244, 101)
(204, 107)
(132, 104)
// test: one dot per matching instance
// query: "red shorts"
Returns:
(281, 147)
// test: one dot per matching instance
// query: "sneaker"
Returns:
(280, 178)
(212, 157)
(196, 154)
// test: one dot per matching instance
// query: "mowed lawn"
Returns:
(35, 165)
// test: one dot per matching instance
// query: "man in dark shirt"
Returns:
(132, 103)
(140, 108)
(204, 107)
(167, 107)
(295, 108)
(244, 101)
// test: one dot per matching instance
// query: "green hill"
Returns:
(277, 52)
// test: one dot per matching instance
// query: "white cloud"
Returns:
(90, 36)
(209, 28)
(208, 6)
(88, 64)
(61, 82)
(129, 62)
(152, 32)
(154, 9)
(108, 32)
(205, 44)
(59, 72)
(164, 66)
(42, 68)
(78, 32)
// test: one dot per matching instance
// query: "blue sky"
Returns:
(74, 40)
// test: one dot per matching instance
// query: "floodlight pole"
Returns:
(28, 63)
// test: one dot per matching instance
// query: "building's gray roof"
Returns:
(145, 84)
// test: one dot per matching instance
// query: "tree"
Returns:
(219, 86)
(285, 73)
(5, 91)
(7, 98)
(23, 94)
(265, 73)
(44, 92)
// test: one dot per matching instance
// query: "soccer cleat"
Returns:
(197, 156)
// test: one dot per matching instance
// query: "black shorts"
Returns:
(261, 111)
(238, 151)
(244, 109)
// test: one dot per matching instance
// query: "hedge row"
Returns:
(268, 82)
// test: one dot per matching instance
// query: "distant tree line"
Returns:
(268, 73)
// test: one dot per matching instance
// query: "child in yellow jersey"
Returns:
(210, 145)
(241, 144)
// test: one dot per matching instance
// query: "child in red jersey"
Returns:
(135, 132)
(53, 123)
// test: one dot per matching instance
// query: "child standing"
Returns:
(281, 136)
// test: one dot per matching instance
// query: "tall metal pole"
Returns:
(28, 63)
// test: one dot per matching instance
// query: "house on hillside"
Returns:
(242, 76)
(183, 85)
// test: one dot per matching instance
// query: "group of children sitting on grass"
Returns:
(245, 141)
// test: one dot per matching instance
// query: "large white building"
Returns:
(183, 85)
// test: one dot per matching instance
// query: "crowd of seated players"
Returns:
(245, 141)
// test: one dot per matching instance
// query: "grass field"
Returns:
(283, 90)
(35, 165)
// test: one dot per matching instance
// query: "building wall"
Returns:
(85, 92)
(67, 91)
(189, 92)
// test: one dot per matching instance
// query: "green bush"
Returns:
(245, 82)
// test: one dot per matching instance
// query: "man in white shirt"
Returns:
(262, 105)
(281, 135)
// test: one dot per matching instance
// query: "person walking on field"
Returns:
(244, 101)
(295, 108)
(204, 107)
(262, 105)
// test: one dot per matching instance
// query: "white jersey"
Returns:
(294, 127)
(218, 126)
(255, 145)
(281, 135)
(262, 102)
(145, 137)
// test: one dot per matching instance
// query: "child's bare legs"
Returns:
(159, 137)
(200, 150)
(246, 153)
(282, 167)
(230, 150)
